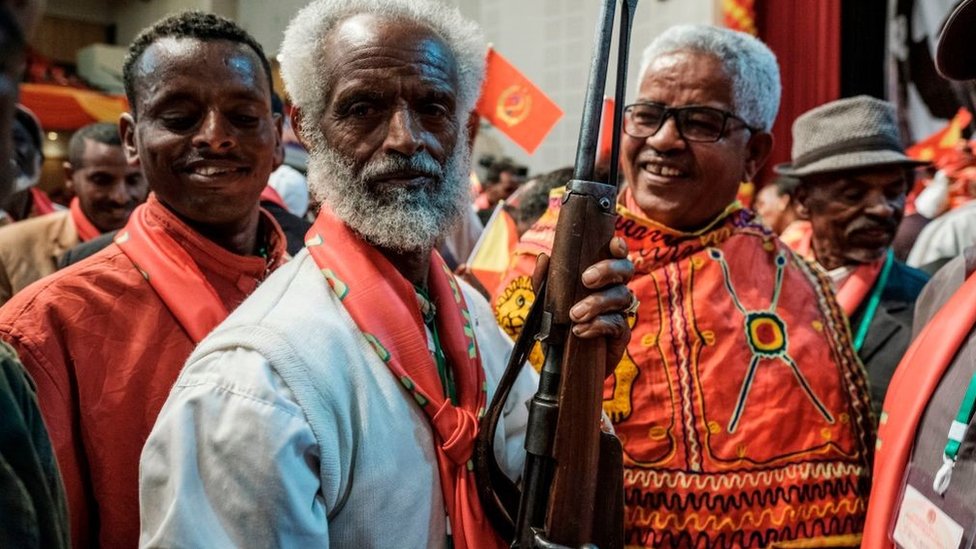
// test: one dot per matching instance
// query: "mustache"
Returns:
(392, 165)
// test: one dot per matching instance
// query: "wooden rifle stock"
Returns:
(572, 484)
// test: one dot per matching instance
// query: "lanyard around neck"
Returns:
(873, 301)
(957, 430)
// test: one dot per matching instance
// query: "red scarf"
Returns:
(41, 203)
(367, 283)
(271, 195)
(858, 284)
(172, 272)
(86, 229)
(912, 386)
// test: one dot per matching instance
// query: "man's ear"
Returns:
(296, 125)
(758, 148)
(69, 173)
(127, 130)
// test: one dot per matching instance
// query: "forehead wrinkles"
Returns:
(367, 43)
(426, 58)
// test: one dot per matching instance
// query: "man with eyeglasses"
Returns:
(742, 409)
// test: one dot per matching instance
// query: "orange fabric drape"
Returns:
(86, 229)
(64, 108)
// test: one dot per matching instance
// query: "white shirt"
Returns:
(945, 236)
(235, 460)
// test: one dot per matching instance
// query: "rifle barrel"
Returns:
(593, 102)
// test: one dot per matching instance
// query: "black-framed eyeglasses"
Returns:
(695, 123)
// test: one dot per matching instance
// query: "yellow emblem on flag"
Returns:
(514, 105)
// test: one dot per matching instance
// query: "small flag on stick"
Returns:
(514, 105)
(489, 258)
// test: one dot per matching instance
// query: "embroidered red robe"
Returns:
(741, 407)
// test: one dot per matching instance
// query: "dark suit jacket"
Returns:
(890, 331)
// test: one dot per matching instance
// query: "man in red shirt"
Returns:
(106, 338)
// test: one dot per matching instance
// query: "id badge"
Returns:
(926, 520)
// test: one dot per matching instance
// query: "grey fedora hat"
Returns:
(847, 134)
(955, 56)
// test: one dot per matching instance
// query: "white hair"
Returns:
(750, 64)
(302, 47)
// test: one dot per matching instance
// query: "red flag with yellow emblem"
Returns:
(514, 105)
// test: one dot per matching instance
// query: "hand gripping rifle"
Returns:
(572, 485)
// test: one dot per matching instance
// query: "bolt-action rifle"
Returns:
(572, 485)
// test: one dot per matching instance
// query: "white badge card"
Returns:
(926, 520)
(922, 525)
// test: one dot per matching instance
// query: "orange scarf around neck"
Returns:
(366, 283)
(856, 287)
(86, 229)
(41, 203)
(174, 275)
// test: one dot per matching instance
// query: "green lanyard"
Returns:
(957, 430)
(429, 315)
(872, 306)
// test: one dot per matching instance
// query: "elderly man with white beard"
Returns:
(343, 397)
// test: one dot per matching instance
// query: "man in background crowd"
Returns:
(26, 199)
(503, 177)
(775, 204)
(854, 177)
(532, 199)
(106, 191)
(105, 338)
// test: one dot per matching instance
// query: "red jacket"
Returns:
(104, 351)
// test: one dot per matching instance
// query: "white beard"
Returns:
(393, 218)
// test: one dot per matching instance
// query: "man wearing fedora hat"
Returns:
(853, 176)
(925, 464)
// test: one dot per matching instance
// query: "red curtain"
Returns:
(805, 36)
